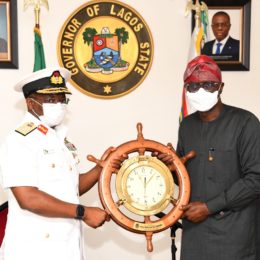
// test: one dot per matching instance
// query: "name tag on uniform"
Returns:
(48, 151)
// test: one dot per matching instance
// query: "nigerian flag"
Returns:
(199, 36)
(39, 59)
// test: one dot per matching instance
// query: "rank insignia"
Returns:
(26, 128)
(42, 129)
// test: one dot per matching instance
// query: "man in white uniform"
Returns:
(38, 167)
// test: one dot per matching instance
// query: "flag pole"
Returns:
(198, 8)
(200, 29)
(37, 8)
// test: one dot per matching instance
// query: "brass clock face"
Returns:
(144, 185)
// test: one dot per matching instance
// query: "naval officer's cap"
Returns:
(45, 81)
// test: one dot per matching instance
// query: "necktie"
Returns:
(218, 48)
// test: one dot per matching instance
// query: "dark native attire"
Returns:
(226, 175)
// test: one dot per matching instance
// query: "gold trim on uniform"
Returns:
(53, 91)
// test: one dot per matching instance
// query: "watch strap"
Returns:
(80, 212)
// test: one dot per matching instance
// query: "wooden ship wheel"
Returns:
(144, 186)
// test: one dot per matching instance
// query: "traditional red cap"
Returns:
(202, 68)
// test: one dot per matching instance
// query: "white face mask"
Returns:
(202, 100)
(53, 114)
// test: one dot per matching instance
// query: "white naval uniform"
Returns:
(43, 161)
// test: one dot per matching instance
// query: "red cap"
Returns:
(202, 68)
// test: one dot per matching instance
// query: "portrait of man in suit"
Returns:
(223, 47)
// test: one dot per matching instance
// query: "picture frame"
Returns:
(8, 34)
(236, 56)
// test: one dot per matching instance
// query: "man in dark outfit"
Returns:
(223, 47)
(220, 220)
(258, 230)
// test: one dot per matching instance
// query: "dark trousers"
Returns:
(258, 231)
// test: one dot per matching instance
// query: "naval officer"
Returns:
(38, 168)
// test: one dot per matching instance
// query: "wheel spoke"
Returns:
(141, 151)
(120, 202)
(147, 219)
(174, 201)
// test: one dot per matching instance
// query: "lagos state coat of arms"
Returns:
(108, 48)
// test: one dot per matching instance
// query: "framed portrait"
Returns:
(8, 34)
(228, 40)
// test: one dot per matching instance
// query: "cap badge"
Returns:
(56, 78)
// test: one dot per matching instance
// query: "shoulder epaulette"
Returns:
(26, 128)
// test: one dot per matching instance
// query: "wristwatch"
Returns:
(80, 210)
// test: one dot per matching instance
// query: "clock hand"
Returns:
(145, 186)
(150, 179)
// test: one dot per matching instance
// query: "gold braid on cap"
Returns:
(53, 91)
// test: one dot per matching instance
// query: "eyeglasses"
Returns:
(51, 100)
(55, 101)
(209, 86)
(216, 25)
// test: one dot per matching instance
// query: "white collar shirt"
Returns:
(223, 42)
